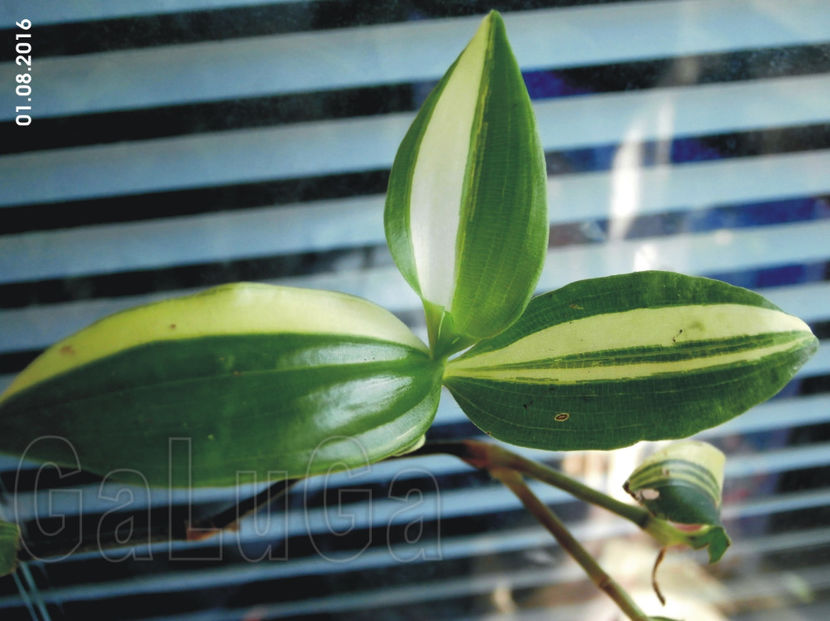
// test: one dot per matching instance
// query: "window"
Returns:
(181, 144)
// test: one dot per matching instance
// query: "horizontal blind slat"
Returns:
(359, 144)
(456, 547)
(350, 222)
(58, 12)
(258, 66)
(697, 253)
(471, 545)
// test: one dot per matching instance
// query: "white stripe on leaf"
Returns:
(240, 308)
(639, 328)
(548, 375)
(440, 172)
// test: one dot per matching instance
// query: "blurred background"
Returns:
(180, 144)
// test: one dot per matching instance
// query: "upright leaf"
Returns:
(466, 215)
(603, 363)
(683, 483)
(243, 377)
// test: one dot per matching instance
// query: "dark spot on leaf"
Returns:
(527, 405)
(67, 350)
(561, 417)
(172, 326)
(677, 336)
(576, 306)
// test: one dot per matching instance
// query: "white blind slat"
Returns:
(350, 57)
(469, 546)
(359, 144)
(51, 12)
(700, 253)
(694, 254)
(350, 222)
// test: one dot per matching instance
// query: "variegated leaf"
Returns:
(603, 363)
(683, 483)
(243, 377)
(466, 215)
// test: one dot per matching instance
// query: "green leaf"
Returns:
(243, 377)
(466, 216)
(9, 545)
(714, 538)
(683, 483)
(603, 363)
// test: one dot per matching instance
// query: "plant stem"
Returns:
(231, 516)
(177, 532)
(514, 481)
(488, 456)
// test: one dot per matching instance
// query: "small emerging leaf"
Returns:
(9, 545)
(603, 363)
(683, 483)
(243, 377)
(466, 216)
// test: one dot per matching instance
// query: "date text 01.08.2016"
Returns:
(23, 49)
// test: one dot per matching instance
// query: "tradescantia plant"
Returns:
(275, 379)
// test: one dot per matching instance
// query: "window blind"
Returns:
(181, 144)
